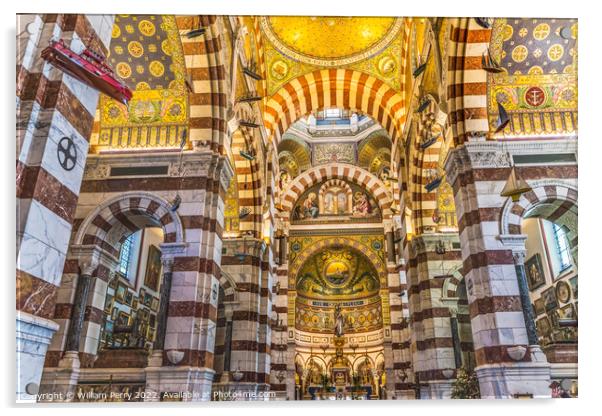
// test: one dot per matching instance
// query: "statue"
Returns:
(339, 321)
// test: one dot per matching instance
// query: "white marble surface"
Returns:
(40, 260)
(60, 128)
(33, 336)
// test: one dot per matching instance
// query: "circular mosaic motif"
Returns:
(123, 70)
(156, 68)
(520, 53)
(507, 32)
(555, 52)
(541, 31)
(336, 272)
(535, 96)
(146, 27)
(330, 41)
(166, 47)
(116, 32)
(279, 69)
(135, 49)
(386, 65)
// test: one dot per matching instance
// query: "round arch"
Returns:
(344, 88)
(344, 171)
(560, 198)
(126, 213)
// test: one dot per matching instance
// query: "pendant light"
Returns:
(515, 186)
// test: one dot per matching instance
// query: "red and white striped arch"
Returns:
(342, 171)
(343, 88)
(124, 214)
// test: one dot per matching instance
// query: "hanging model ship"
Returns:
(88, 67)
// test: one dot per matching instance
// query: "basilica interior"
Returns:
(297, 208)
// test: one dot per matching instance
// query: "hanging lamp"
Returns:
(515, 186)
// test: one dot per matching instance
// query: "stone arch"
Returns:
(449, 290)
(377, 262)
(228, 284)
(343, 88)
(123, 214)
(559, 197)
(351, 173)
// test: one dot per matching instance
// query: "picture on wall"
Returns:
(563, 291)
(155, 304)
(566, 313)
(534, 270)
(129, 297)
(153, 268)
(539, 306)
(123, 319)
(120, 292)
(573, 282)
(549, 299)
(543, 327)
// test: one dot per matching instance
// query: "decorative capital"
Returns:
(519, 257)
(167, 263)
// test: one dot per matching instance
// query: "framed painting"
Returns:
(567, 312)
(534, 271)
(153, 268)
(544, 328)
(563, 291)
(123, 319)
(155, 304)
(573, 283)
(135, 303)
(108, 304)
(114, 313)
(539, 307)
(147, 300)
(129, 298)
(120, 292)
(549, 299)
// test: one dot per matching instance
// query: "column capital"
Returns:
(90, 256)
(171, 250)
(515, 242)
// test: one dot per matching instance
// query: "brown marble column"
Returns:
(164, 303)
(80, 300)
(391, 249)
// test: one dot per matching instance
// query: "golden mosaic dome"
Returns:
(330, 41)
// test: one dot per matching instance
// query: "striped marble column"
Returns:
(505, 364)
(243, 260)
(431, 257)
(50, 106)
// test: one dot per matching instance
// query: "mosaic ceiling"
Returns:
(338, 275)
(146, 53)
(539, 46)
(301, 44)
(539, 85)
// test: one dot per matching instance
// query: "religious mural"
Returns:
(335, 200)
(146, 53)
(301, 44)
(338, 289)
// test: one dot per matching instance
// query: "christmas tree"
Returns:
(466, 385)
